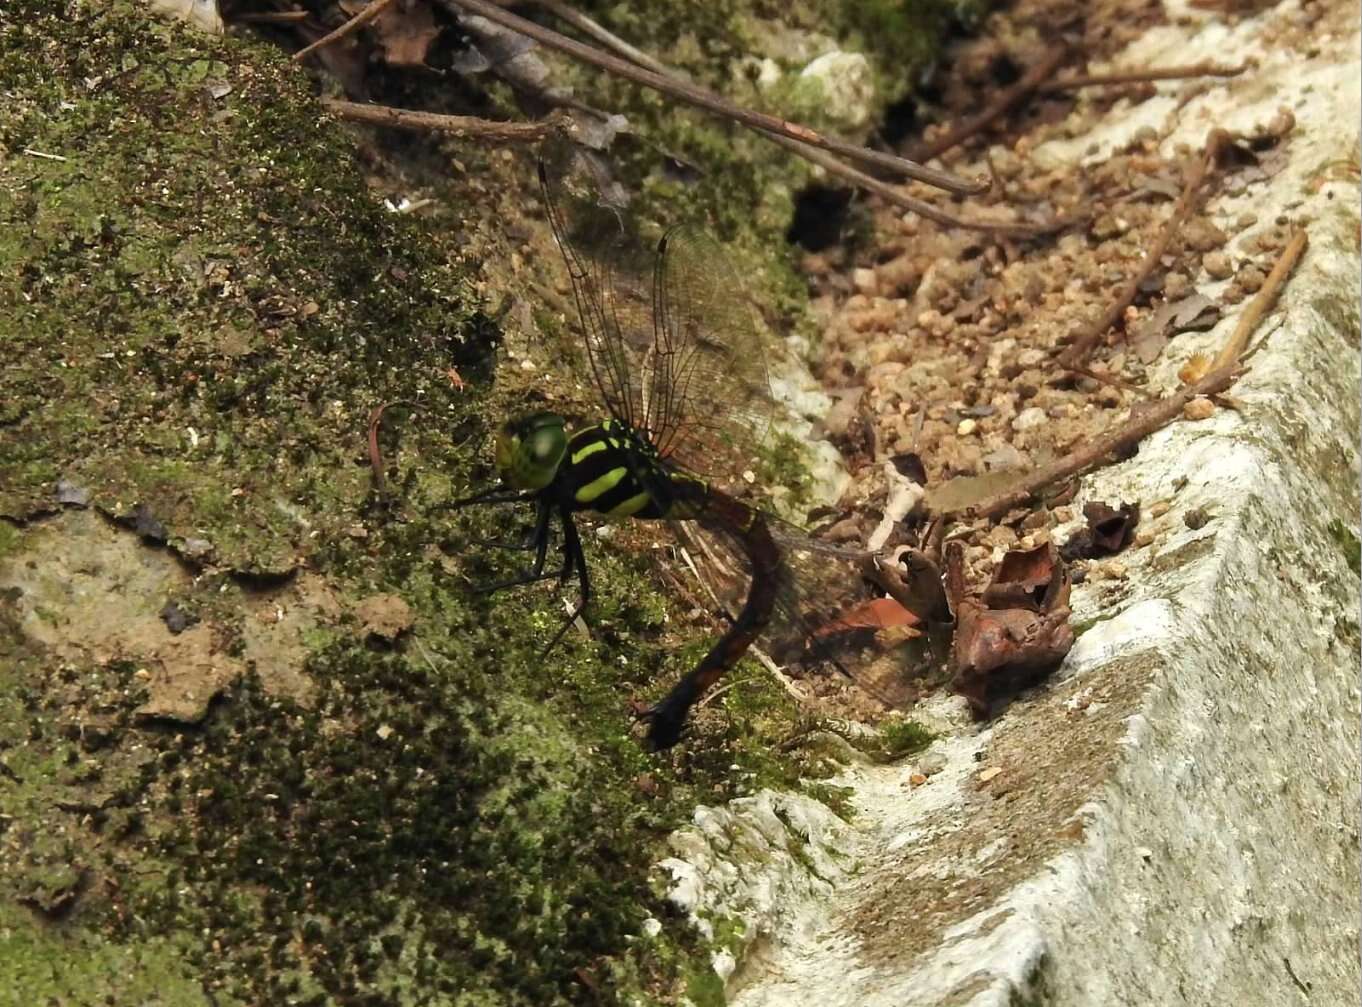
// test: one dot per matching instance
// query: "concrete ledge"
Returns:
(1175, 816)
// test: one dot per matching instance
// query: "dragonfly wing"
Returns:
(706, 390)
(814, 590)
(586, 212)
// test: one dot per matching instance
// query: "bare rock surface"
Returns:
(1173, 817)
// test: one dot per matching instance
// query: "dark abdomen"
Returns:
(668, 717)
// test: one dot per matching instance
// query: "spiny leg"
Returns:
(573, 556)
(540, 542)
(495, 495)
(498, 495)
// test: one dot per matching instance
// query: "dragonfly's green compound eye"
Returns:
(530, 449)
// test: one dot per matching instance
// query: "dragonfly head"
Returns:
(530, 449)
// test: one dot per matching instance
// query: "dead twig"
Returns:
(375, 453)
(1006, 99)
(373, 10)
(1262, 301)
(272, 17)
(1141, 424)
(452, 125)
(708, 100)
(813, 155)
(584, 24)
(1140, 76)
(903, 201)
(1110, 381)
(1092, 334)
(1160, 413)
(714, 694)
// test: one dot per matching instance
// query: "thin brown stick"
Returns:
(375, 452)
(453, 125)
(1141, 76)
(1093, 333)
(1160, 413)
(272, 16)
(584, 24)
(1153, 417)
(708, 100)
(826, 161)
(904, 201)
(373, 10)
(1262, 301)
(1006, 99)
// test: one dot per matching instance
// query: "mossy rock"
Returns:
(201, 304)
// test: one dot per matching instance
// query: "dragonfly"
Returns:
(674, 356)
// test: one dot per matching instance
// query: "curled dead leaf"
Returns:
(1025, 579)
(999, 652)
(1109, 530)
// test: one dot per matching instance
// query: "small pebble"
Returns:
(1200, 408)
(1201, 235)
(1217, 264)
(1176, 286)
(1030, 418)
(1114, 569)
(916, 780)
(1250, 278)
(990, 773)
(1144, 538)
(931, 763)
(1002, 536)
(966, 427)
(1196, 518)
(1158, 508)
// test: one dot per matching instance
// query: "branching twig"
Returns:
(1159, 413)
(373, 10)
(1090, 336)
(701, 98)
(1154, 416)
(454, 125)
(903, 201)
(813, 155)
(1029, 82)
(1141, 76)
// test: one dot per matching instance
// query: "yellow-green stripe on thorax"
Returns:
(606, 468)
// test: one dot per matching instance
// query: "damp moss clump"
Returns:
(200, 300)
(1348, 545)
(389, 844)
(202, 304)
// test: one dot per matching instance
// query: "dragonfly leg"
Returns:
(539, 541)
(495, 495)
(573, 558)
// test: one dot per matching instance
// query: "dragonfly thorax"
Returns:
(530, 450)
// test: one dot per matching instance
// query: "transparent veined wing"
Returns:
(670, 341)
